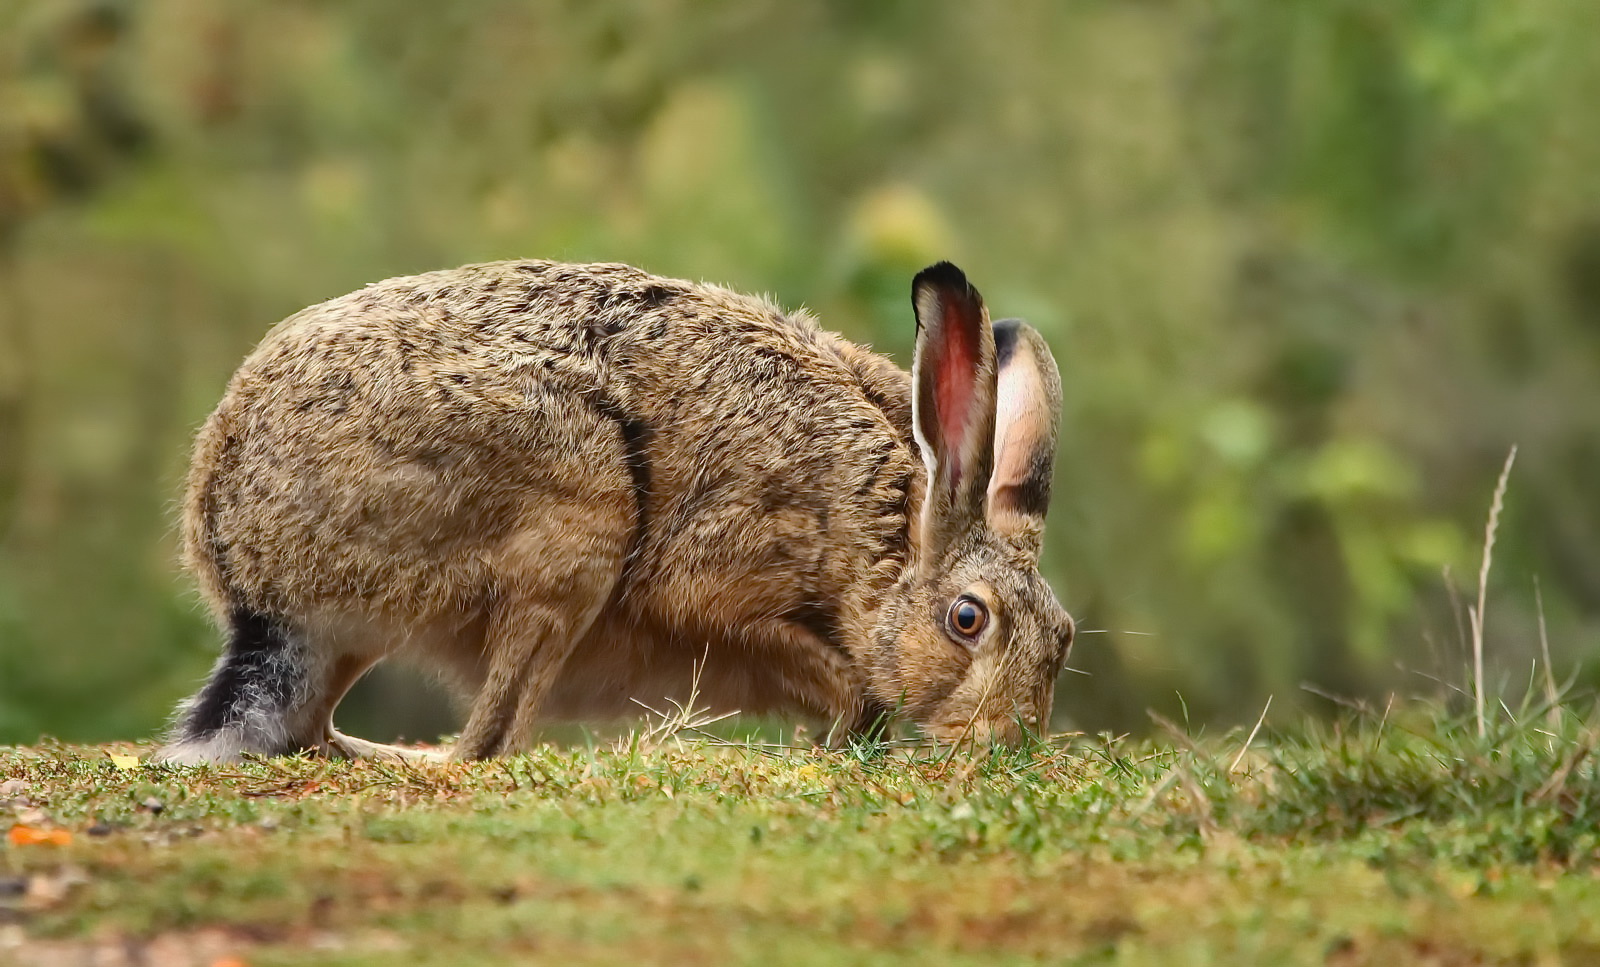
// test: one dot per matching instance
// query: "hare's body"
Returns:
(455, 456)
(572, 489)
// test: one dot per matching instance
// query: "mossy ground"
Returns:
(1405, 839)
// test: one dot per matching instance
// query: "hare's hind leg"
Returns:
(343, 673)
(260, 699)
(358, 641)
(555, 577)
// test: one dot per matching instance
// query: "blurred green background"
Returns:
(1310, 267)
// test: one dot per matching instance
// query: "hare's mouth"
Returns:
(979, 732)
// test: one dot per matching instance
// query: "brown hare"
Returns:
(564, 487)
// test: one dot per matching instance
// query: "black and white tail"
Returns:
(249, 705)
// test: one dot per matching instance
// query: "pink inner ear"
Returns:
(953, 386)
(1021, 422)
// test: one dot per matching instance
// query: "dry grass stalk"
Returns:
(1234, 766)
(1476, 614)
(685, 716)
(1551, 695)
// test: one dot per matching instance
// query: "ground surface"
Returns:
(1381, 842)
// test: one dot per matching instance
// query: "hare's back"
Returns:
(377, 444)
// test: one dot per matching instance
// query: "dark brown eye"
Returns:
(968, 616)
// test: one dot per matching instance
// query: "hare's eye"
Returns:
(968, 616)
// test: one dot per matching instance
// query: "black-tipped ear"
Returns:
(1027, 424)
(954, 407)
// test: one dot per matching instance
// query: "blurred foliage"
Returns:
(1309, 267)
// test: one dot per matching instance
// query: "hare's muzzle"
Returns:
(983, 731)
(994, 722)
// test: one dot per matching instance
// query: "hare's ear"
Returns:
(1027, 422)
(953, 410)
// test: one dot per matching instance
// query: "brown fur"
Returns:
(565, 485)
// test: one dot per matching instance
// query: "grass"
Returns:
(1396, 836)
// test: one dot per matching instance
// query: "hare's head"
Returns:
(971, 640)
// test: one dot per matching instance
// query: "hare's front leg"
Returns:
(553, 578)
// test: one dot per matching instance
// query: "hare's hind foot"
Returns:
(349, 747)
(225, 747)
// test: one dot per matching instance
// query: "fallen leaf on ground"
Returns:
(123, 761)
(31, 836)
